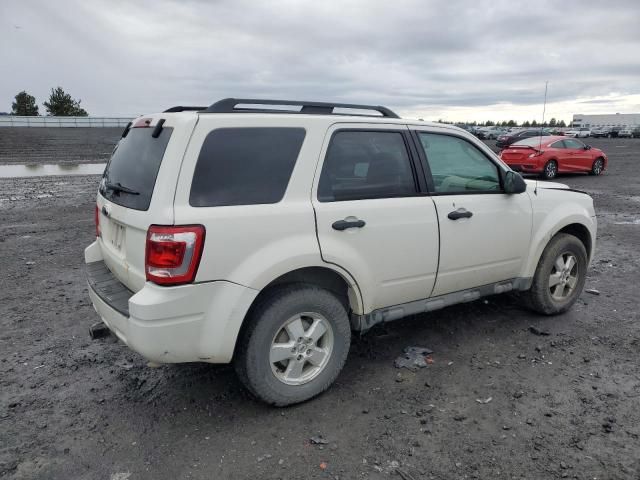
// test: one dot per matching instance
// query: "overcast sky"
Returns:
(455, 60)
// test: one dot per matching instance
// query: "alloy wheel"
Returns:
(597, 167)
(564, 276)
(301, 348)
(550, 170)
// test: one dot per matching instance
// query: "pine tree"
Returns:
(61, 104)
(25, 105)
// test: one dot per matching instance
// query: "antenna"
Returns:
(544, 109)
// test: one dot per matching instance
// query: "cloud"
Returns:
(425, 58)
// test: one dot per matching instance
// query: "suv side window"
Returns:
(457, 166)
(362, 165)
(245, 166)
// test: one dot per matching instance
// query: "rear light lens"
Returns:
(96, 219)
(173, 253)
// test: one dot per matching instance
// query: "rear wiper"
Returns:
(117, 187)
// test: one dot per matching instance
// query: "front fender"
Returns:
(553, 211)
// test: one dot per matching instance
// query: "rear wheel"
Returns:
(294, 346)
(560, 276)
(550, 170)
(598, 167)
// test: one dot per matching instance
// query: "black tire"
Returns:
(550, 170)
(598, 166)
(539, 297)
(252, 361)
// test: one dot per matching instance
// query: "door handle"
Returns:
(344, 224)
(459, 213)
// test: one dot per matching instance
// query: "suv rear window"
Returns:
(245, 166)
(131, 173)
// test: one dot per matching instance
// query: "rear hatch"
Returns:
(137, 190)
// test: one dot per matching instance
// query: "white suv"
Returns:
(263, 233)
(578, 133)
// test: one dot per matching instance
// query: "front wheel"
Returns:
(597, 167)
(550, 170)
(294, 345)
(559, 277)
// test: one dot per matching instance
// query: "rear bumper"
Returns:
(525, 168)
(188, 323)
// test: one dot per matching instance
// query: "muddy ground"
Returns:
(563, 405)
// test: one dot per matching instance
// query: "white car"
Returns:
(249, 234)
(625, 132)
(578, 133)
(491, 133)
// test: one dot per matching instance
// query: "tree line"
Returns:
(512, 123)
(59, 104)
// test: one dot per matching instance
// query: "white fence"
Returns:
(98, 122)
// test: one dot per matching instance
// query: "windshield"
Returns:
(131, 173)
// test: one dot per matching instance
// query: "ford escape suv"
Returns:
(264, 232)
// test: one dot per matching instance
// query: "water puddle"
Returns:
(37, 170)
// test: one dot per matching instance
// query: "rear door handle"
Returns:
(459, 213)
(344, 224)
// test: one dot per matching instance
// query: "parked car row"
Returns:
(509, 138)
(494, 133)
(613, 132)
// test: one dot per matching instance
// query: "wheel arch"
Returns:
(345, 289)
(575, 225)
(323, 277)
(582, 233)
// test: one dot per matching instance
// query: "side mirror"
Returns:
(587, 147)
(514, 183)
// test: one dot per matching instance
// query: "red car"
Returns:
(549, 156)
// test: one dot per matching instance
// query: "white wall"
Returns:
(611, 120)
(15, 121)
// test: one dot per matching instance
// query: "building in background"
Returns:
(608, 120)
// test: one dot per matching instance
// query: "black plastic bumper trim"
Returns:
(111, 290)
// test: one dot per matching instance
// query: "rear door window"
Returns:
(131, 172)
(245, 166)
(362, 165)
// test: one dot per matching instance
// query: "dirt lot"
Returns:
(563, 405)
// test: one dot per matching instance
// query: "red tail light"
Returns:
(173, 253)
(96, 218)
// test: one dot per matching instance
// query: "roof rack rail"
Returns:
(229, 105)
(183, 109)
